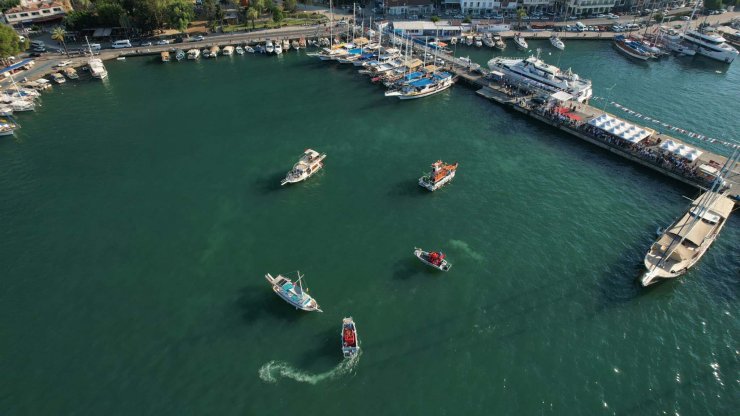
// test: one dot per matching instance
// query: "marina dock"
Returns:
(521, 102)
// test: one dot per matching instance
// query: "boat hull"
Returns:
(434, 186)
(351, 343)
(424, 256)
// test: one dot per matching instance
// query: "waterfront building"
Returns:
(586, 7)
(418, 28)
(409, 7)
(36, 12)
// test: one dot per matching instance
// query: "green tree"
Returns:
(259, 5)
(435, 19)
(712, 4)
(252, 14)
(468, 19)
(80, 5)
(8, 4)
(269, 5)
(80, 19)
(277, 14)
(57, 34)
(520, 15)
(290, 6)
(179, 14)
(109, 13)
(10, 42)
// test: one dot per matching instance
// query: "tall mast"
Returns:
(696, 5)
(331, 24)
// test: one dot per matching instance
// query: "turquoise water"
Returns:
(141, 214)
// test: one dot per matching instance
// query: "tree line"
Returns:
(147, 16)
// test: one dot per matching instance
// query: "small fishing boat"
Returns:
(302, 42)
(179, 55)
(121, 58)
(350, 342)
(469, 40)
(269, 47)
(556, 42)
(295, 44)
(498, 43)
(434, 259)
(239, 50)
(22, 105)
(6, 110)
(206, 53)
(293, 293)
(7, 127)
(193, 54)
(286, 45)
(440, 175)
(250, 49)
(228, 51)
(488, 41)
(278, 49)
(165, 56)
(58, 78)
(520, 42)
(214, 51)
(310, 163)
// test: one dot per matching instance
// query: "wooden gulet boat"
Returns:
(434, 259)
(293, 293)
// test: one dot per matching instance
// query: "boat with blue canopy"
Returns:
(293, 293)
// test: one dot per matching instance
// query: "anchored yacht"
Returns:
(310, 163)
(710, 44)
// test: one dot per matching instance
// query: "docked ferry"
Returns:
(535, 72)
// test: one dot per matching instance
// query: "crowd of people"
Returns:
(647, 149)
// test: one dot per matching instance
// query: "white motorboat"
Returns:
(520, 42)
(228, 51)
(469, 40)
(179, 55)
(239, 50)
(709, 43)
(8, 127)
(536, 72)
(58, 78)
(440, 175)
(685, 241)
(6, 110)
(295, 44)
(286, 45)
(249, 49)
(97, 69)
(556, 42)
(478, 41)
(277, 48)
(498, 43)
(269, 47)
(193, 54)
(350, 341)
(310, 162)
(214, 51)
(293, 293)
(206, 53)
(22, 105)
(434, 259)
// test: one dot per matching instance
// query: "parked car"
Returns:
(197, 38)
(685, 18)
(146, 43)
(163, 42)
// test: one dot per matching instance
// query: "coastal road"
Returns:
(45, 63)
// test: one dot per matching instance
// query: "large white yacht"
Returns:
(682, 244)
(710, 44)
(535, 72)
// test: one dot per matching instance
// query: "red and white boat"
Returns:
(439, 176)
(350, 343)
(435, 259)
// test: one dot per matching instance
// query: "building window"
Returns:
(57, 9)
(24, 14)
(47, 11)
(35, 13)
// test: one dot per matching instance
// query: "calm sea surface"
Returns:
(140, 215)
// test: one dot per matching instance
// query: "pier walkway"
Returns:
(647, 154)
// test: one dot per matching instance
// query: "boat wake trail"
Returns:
(275, 370)
(465, 248)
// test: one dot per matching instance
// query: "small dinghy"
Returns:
(293, 293)
(434, 259)
(350, 343)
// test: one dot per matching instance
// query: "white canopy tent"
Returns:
(620, 128)
(561, 96)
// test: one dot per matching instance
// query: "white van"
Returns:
(95, 47)
(121, 44)
(580, 26)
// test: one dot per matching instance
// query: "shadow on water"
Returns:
(255, 303)
(270, 183)
(407, 268)
(328, 346)
(407, 188)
